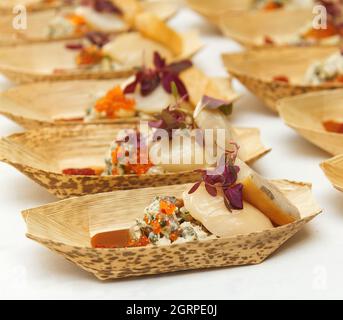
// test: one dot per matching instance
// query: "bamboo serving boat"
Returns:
(6, 6)
(307, 113)
(52, 61)
(278, 25)
(213, 9)
(256, 69)
(46, 110)
(333, 169)
(66, 228)
(43, 154)
(38, 22)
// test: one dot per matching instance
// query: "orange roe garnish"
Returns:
(79, 22)
(333, 126)
(89, 56)
(339, 78)
(272, 5)
(142, 242)
(173, 236)
(319, 34)
(83, 171)
(156, 227)
(114, 102)
(167, 207)
(281, 79)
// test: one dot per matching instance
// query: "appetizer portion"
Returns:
(89, 15)
(98, 55)
(134, 48)
(326, 71)
(317, 117)
(149, 91)
(276, 73)
(230, 200)
(175, 133)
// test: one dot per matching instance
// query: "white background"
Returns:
(307, 266)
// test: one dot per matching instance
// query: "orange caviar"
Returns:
(130, 168)
(329, 31)
(141, 242)
(167, 207)
(114, 102)
(273, 5)
(79, 22)
(333, 126)
(89, 56)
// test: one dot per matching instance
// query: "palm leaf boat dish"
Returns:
(318, 117)
(6, 6)
(213, 10)
(333, 169)
(111, 101)
(72, 161)
(71, 22)
(231, 217)
(276, 73)
(98, 56)
(292, 27)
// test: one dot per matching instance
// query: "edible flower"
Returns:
(224, 177)
(164, 74)
(102, 6)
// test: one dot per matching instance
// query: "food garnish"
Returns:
(333, 126)
(115, 105)
(281, 78)
(165, 221)
(83, 172)
(163, 74)
(328, 70)
(224, 179)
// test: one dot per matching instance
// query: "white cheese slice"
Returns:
(105, 22)
(216, 218)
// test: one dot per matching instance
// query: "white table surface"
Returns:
(307, 266)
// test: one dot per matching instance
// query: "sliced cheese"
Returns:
(153, 103)
(134, 50)
(216, 218)
(101, 21)
(267, 198)
(180, 154)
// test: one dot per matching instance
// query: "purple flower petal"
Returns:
(178, 67)
(195, 187)
(159, 124)
(234, 196)
(159, 62)
(97, 38)
(74, 46)
(211, 190)
(149, 82)
(168, 79)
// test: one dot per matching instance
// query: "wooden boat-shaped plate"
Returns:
(213, 9)
(333, 169)
(38, 22)
(51, 61)
(66, 228)
(307, 113)
(256, 69)
(42, 154)
(278, 25)
(6, 6)
(45, 107)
